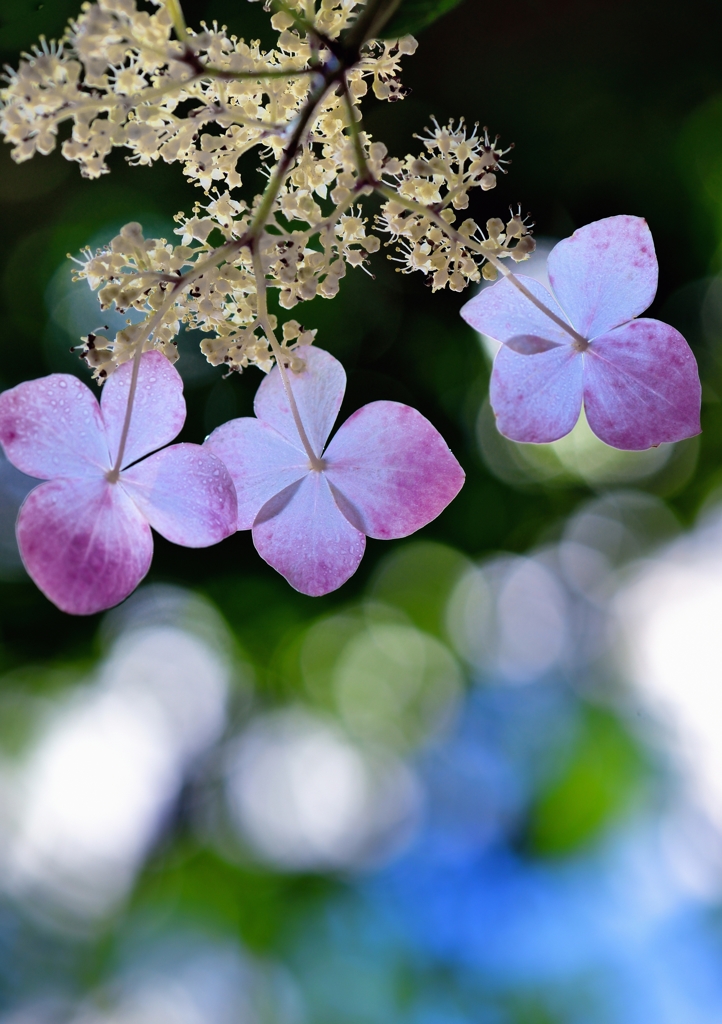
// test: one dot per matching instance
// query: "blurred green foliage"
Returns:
(601, 776)
(412, 16)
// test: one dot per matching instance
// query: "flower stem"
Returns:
(362, 166)
(179, 23)
(114, 474)
(460, 239)
(314, 460)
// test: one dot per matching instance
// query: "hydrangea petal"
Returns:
(159, 409)
(536, 398)
(84, 543)
(394, 468)
(605, 273)
(185, 493)
(502, 312)
(318, 391)
(641, 386)
(52, 427)
(305, 537)
(260, 460)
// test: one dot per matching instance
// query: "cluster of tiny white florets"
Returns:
(429, 240)
(139, 80)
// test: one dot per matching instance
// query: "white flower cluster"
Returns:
(140, 80)
(421, 216)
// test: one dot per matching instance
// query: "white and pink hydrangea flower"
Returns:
(85, 537)
(637, 378)
(386, 473)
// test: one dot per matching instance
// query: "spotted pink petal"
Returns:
(260, 460)
(393, 470)
(641, 386)
(502, 312)
(318, 391)
(52, 427)
(84, 543)
(304, 536)
(605, 273)
(159, 409)
(536, 398)
(185, 493)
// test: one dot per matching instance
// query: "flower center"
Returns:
(580, 344)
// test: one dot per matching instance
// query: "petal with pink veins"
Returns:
(52, 427)
(318, 391)
(260, 460)
(536, 398)
(84, 543)
(503, 312)
(185, 493)
(304, 536)
(159, 409)
(605, 274)
(641, 386)
(393, 470)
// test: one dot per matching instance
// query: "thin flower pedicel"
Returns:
(84, 534)
(386, 473)
(637, 378)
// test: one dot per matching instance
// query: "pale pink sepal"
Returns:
(536, 398)
(641, 386)
(605, 274)
(260, 460)
(52, 427)
(185, 493)
(393, 468)
(159, 409)
(84, 543)
(318, 391)
(502, 312)
(304, 536)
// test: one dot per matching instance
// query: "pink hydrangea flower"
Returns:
(637, 378)
(386, 473)
(86, 541)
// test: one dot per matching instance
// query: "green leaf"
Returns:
(597, 784)
(414, 15)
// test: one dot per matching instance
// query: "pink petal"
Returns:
(302, 534)
(84, 543)
(52, 427)
(318, 392)
(605, 274)
(260, 460)
(641, 386)
(185, 493)
(530, 344)
(536, 398)
(502, 312)
(392, 470)
(159, 409)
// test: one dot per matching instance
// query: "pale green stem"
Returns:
(179, 23)
(114, 474)
(152, 323)
(456, 236)
(314, 461)
(353, 127)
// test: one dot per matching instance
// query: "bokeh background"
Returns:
(481, 783)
